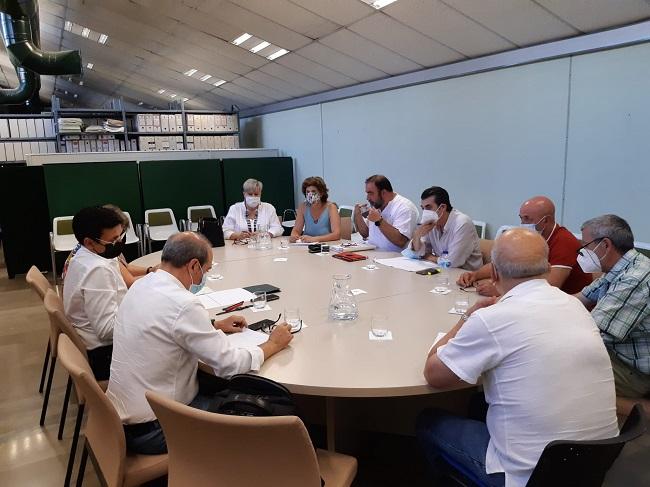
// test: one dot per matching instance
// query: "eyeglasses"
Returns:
(104, 242)
(269, 327)
(589, 243)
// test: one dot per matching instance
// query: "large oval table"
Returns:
(336, 359)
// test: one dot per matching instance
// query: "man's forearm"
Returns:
(360, 223)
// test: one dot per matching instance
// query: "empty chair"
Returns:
(345, 210)
(131, 236)
(480, 228)
(195, 213)
(62, 239)
(160, 224)
(282, 451)
(40, 285)
(105, 434)
(346, 228)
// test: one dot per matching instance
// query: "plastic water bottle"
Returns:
(443, 261)
(445, 264)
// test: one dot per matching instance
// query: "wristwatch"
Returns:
(378, 222)
(464, 317)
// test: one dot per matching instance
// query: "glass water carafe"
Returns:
(343, 305)
(263, 238)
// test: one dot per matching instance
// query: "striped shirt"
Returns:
(622, 312)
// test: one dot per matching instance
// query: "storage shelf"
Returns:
(231, 132)
(149, 134)
(29, 139)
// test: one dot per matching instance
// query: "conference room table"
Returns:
(337, 359)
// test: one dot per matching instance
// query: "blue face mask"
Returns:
(195, 288)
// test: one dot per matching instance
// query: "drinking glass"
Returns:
(284, 243)
(442, 283)
(461, 302)
(292, 317)
(379, 325)
(259, 301)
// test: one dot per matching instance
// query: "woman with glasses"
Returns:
(251, 216)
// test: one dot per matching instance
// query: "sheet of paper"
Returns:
(205, 290)
(247, 338)
(280, 259)
(387, 337)
(227, 297)
(406, 264)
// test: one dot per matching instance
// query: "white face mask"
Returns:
(429, 216)
(589, 261)
(252, 201)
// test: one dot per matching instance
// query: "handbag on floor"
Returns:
(251, 395)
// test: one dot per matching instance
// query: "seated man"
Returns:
(163, 331)
(445, 229)
(538, 214)
(546, 374)
(619, 303)
(390, 221)
(94, 286)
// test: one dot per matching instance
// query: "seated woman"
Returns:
(251, 215)
(317, 220)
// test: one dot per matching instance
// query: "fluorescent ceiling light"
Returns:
(161, 91)
(277, 54)
(260, 46)
(173, 95)
(68, 26)
(90, 65)
(219, 83)
(85, 32)
(206, 77)
(190, 72)
(140, 103)
(185, 99)
(81, 83)
(102, 38)
(75, 95)
(377, 4)
(242, 38)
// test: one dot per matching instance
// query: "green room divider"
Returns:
(179, 184)
(276, 173)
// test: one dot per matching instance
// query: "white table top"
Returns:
(337, 359)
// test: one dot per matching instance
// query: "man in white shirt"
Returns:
(391, 220)
(162, 333)
(94, 286)
(546, 373)
(445, 229)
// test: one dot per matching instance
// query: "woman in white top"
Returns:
(251, 215)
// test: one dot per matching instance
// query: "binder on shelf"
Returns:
(9, 149)
(51, 147)
(13, 128)
(179, 122)
(48, 124)
(22, 128)
(4, 129)
(42, 147)
(33, 148)
(156, 123)
(40, 127)
(3, 154)
(164, 123)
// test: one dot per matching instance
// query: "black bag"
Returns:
(211, 228)
(251, 395)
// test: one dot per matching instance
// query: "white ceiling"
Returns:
(333, 43)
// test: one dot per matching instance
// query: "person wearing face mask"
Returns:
(317, 220)
(444, 228)
(538, 214)
(249, 216)
(620, 304)
(391, 219)
(94, 286)
(544, 370)
(161, 334)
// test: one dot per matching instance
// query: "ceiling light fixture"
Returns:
(242, 38)
(277, 54)
(219, 83)
(81, 83)
(90, 65)
(140, 103)
(161, 91)
(190, 72)
(173, 95)
(206, 77)
(68, 26)
(377, 4)
(85, 32)
(185, 99)
(102, 38)
(260, 46)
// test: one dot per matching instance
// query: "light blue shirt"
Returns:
(320, 227)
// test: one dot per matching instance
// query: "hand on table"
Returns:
(486, 288)
(466, 279)
(281, 335)
(232, 324)
(308, 239)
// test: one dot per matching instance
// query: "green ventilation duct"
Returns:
(19, 21)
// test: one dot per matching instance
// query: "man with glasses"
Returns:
(94, 286)
(619, 304)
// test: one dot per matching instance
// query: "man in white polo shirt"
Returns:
(163, 331)
(94, 286)
(546, 373)
(391, 220)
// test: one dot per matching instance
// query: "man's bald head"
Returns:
(536, 208)
(520, 253)
(182, 247)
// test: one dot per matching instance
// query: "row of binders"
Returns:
(194, 142)
(96, 143)
(12, 128)
(173, 123)
(16, 151)
(211, 123)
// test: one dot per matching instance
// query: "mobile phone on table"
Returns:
(428, 272)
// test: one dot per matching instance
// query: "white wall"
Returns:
(576, 130)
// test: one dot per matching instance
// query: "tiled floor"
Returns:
(32, 456)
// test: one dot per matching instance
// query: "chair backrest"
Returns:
(104, 431)
(346, 211)
(194, 213)
(584, 463)
(62, 225)
(131, 236)
(206, 448)
(59, 323)
(480, 228)
(70, 356)
(642, 247)
(486, 250)
(160, 217)
(37, 281)
(346, 228)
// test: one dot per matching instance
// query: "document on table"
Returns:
(406, 264)
(247, 338)
(227, 297)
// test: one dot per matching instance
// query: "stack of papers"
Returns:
(70, 125)
(247, 338)
(227, 297)
(406, 264)
(112, 125)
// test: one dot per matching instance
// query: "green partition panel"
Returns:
(71, 187)
(276, 173)
(180, 184)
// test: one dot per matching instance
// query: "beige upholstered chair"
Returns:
(104, 431)
(40, 285)
(346, 228)
(236, 451)
(486, 250)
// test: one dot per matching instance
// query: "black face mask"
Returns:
(112, 250)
